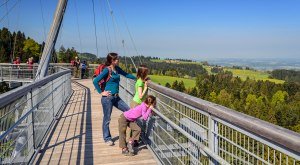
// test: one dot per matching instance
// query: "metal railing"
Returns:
(27, 113)
(23, 72)
(188, 130)
(26, 73)
(17, 73)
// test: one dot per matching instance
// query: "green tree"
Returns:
(5, 45)
(175, 85)
(168, 85)
(181, 86)
(194, 92)
(62, 54)
(250, 107)
(224, 98)
(279, 98)
(213, 96)
(31, 49)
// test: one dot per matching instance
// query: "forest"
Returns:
(287, 75)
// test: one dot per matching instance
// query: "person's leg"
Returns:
(128, 131)
(121, 105)
(122, 130)
(136, 131)
(107, 106)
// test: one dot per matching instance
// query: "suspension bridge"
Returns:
(55, 119)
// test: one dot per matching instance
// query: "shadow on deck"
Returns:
(76, 138)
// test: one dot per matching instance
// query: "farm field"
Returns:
(243, 74)
(252, 74)
(188, 83)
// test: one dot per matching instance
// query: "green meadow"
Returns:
(188, 83)
(243, 74)
(252, 74)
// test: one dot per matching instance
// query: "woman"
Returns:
(110, 95)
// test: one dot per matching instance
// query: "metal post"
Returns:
(2, 73)
(51, 39)
(32, 121)
(211, 138)
(52, 99)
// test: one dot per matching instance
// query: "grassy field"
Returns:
(188, 83)
(175, 62)
(252, 74)
(256, 75)
(243, 74)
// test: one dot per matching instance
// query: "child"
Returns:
(140, 86)
(140, 93)
(128, 118)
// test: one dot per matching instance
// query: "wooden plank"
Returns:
(77, 136)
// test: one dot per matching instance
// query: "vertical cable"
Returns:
(106, 20)
(95, 27)
(15, 39)
(11, 51)
(130, 35)
(77, 20)
(104, 25)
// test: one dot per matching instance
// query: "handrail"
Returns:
(13, 94)
(189, 130)
(28, 112)
(284, 137)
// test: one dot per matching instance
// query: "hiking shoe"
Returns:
(127, 153)
(130, 147)
(109, 143)
(135, 143)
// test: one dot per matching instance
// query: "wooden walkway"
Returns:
(76, 138)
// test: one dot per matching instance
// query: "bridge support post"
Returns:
(212, 137)
(51, 39)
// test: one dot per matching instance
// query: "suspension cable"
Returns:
(130, 35)
(106, 20)
(8, 11)
(15, 39)
(104, 25)
(114, 27)
(42, 14)
(4, 3)
(11, 51)
(125, 49)
(95, 27)
(77, 20)
(124, 55)
(115, 23)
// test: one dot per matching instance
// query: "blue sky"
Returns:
(194, 29)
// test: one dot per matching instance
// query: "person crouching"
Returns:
(129, 118)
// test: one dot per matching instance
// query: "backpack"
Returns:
(98, 71)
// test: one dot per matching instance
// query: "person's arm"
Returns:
(96, 80)
(142, 92)
(127, 75)
(146, 111)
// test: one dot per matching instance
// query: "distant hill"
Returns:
(87, 56)
(258, 63)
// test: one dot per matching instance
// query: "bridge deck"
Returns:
(77, 136)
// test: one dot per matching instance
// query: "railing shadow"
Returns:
(71, 137)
